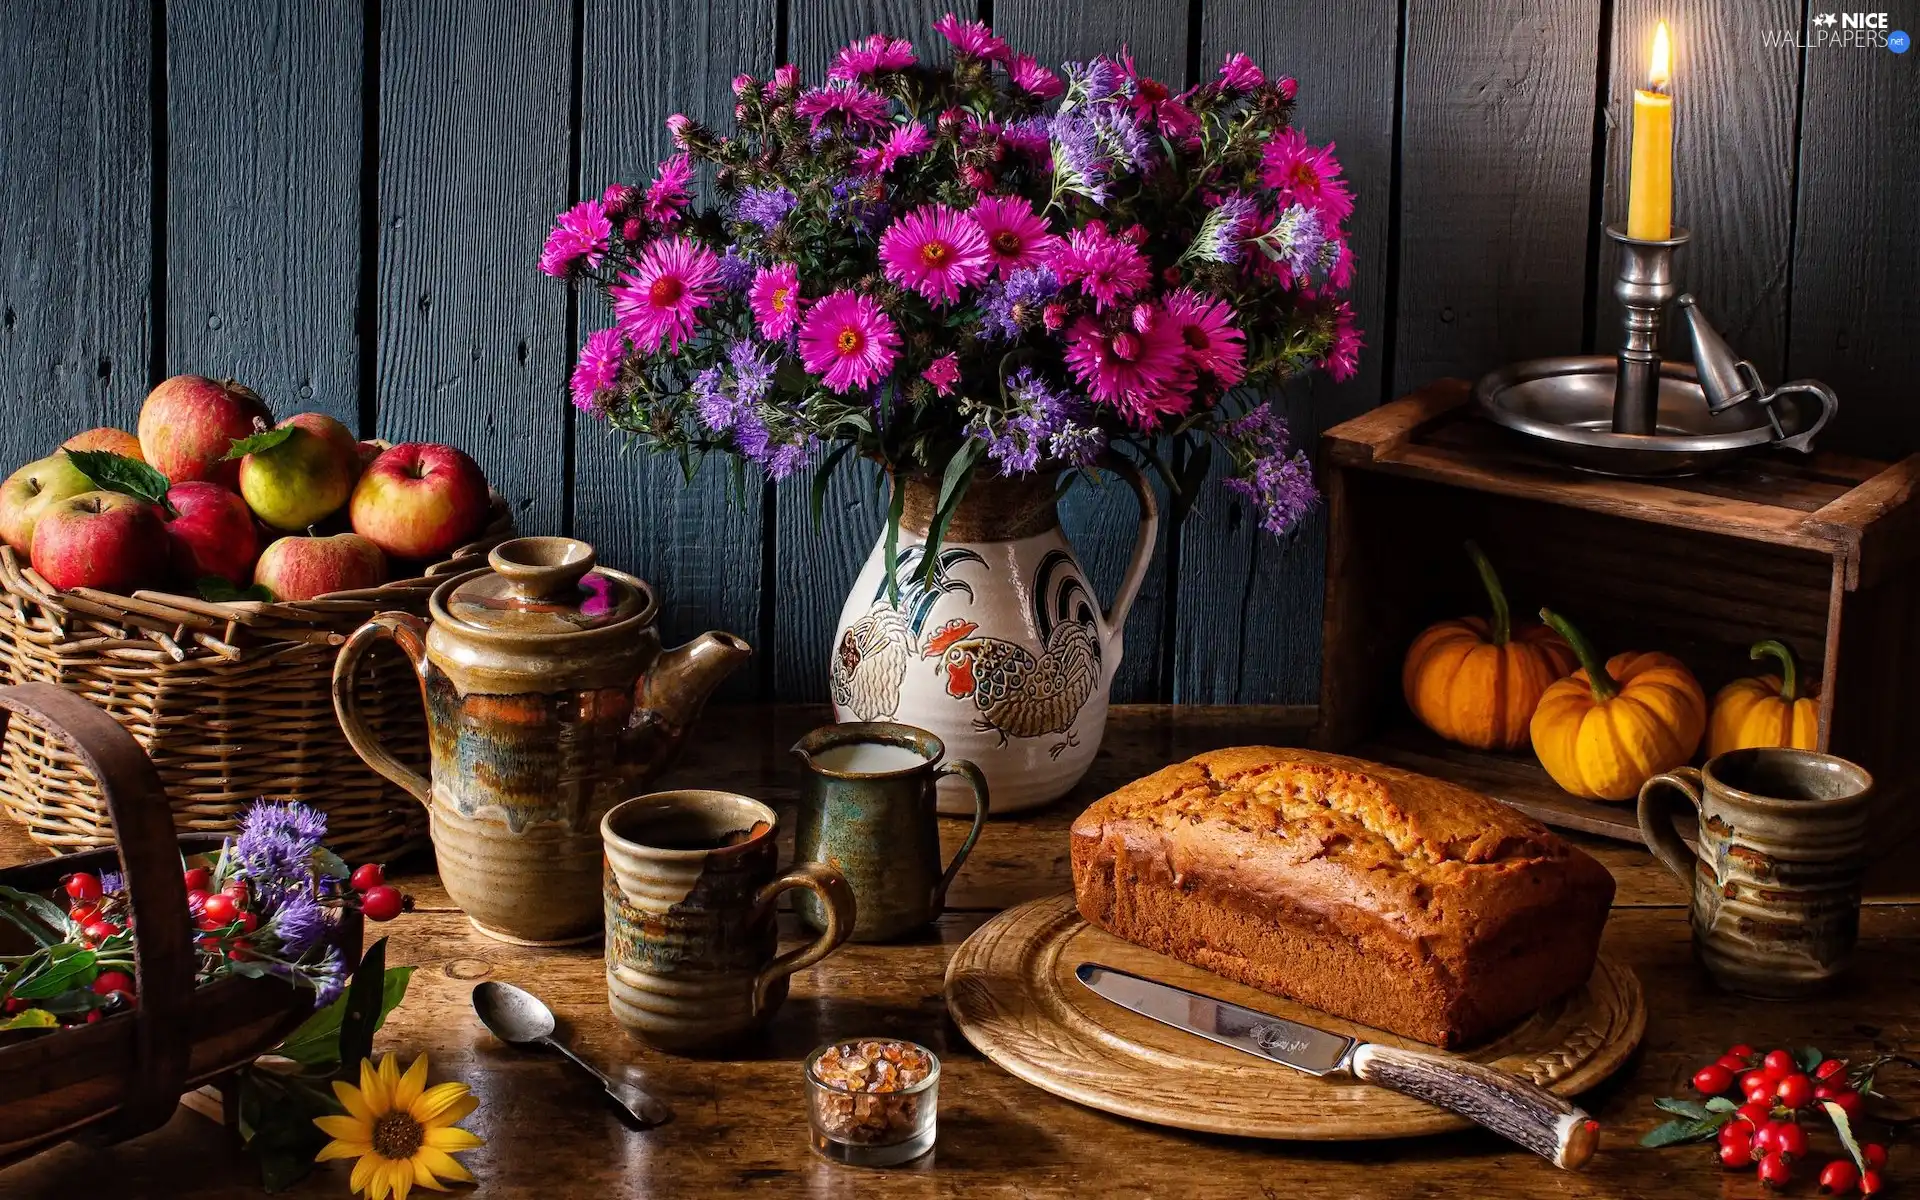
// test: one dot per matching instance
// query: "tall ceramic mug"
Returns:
(868, 809)
(1776, 880)
(692, 949)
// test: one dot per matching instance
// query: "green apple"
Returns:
(303, 477)
(32, 490)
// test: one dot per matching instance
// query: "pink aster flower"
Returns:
(1300, 173)
(871, 54)
(1343, 356)
(579, 235)
(972, 37)
(668, 193)
(775, 300)
(1016, 236)
(1241, 73)
(942, 373)
(1213, 344)
(786, 78)
(848, 341)
(618, 198)
(1108, 268)
(935, 251)
(1142, 375)
(1033, 79)
(657, 301)
(597, 369)
(904, 142)
(851, 103)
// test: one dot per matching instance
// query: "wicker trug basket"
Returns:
(232, 701)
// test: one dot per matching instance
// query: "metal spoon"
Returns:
(518, 1016)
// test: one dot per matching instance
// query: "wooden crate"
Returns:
(1822, 551)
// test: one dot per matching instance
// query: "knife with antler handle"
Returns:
(1510, 1106)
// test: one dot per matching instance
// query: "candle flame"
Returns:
(1660, 68)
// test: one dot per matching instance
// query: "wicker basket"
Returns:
(232, 701)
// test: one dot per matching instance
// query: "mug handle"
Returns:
(410, 634)
(1656, 819)
(835, 897)
(978, 782)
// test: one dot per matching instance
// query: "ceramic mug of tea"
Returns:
(692, 948)
(1776, 879)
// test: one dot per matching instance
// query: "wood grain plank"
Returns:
(75, 247)
(1249, 627)
(1855, 307)
(473, 165)
(815, 565)
(1496, 165)
(1102, 522)
(1732, 165)
(697, 544)
(263, 210)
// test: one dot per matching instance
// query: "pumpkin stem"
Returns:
(1502, 627)
(1789, 665)
(1604, 686)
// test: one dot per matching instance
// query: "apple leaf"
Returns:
(112, 472)
(265, 440)
(221, 590)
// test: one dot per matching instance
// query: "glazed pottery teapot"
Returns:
(549, 700)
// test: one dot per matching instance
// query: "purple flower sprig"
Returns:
(1276, 478)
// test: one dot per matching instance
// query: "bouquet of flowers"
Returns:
(977, 264)
(266, 905)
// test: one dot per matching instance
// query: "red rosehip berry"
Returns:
(1830, 1068)
(1875, 1154)
(1712, 1080)
(1789, 1139)
(1755, 1113)
(1838, 1177)
(367, 875)
(242, 951)
(110, 982)
(249, 922)
(1871, 1184)
(1794, 1091)
(220, 909)
(382, 903)
(1733, 1063)
(95, 1017)
(238, 890)
(82, 887)
(1736, 1154)
(199, 879)
(99, 931)
(1741, 1051)
(1758, 1085)
(1779, 1064)
(1775, 1170)
(83, 915)
(1849, 1102)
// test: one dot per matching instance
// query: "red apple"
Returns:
(305, 478)
(189, 423)
(113, 441)
(300, 568)
(420, 501)
(370, 450)
(31, 491)
(106, 540)
(211, 533)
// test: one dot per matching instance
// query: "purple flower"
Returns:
(300, 924)
(786, 459)
(1014, 305)
(1017, 450)
(1296, 240)
(1077, 445)
(277, 841)
(112, 882)
(1276, 478)
(717, 408)
(735, 270)
(1095, 80)
(1225, 227)
(752, 375)
(764, 207)
(329, 978)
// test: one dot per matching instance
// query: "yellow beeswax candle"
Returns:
(1650, 177)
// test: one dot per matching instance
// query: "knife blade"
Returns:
(1510, 1106)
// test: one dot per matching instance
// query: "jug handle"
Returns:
(1115, 617)
(835, 897)
(978, 782)
(410, 634)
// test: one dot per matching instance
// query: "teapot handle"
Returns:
(1115, 618)
(410, 634)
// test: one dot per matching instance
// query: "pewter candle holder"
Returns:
(1644, 284)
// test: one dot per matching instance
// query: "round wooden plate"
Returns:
(1011, 989)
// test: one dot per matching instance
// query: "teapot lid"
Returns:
(545, 586)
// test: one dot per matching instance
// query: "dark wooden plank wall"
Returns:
(340, 201)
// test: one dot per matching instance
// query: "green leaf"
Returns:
(221, 591)
(822, 475)
(38, 917)
(317, 1042)
(1721, 1104)
(891, 563)
(326, 862)
(1844, 1127)
(953, 489)
(1808, 1058)
(1673, 1133)
(73, 1003)
(112, 472)
(32, 1018)
(1690, 1109)
(62, 974)
(265, 440)
(362, 1015)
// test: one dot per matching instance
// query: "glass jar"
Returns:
(872, 1102)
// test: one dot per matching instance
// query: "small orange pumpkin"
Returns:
(1608, 728)
(1765, 711)
(1475, 681)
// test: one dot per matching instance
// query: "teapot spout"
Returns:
(672, 694)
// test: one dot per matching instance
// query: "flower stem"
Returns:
(1604, 686)
(1778, 650)
(1502, 624)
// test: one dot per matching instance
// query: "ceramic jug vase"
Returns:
(549, 700)
(1002, 650)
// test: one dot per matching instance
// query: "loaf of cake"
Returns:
(1374, 894)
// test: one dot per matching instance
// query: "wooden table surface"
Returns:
(741, 1124)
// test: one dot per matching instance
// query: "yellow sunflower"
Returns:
(399, 1129)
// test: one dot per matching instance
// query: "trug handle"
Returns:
(1515, 1109)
